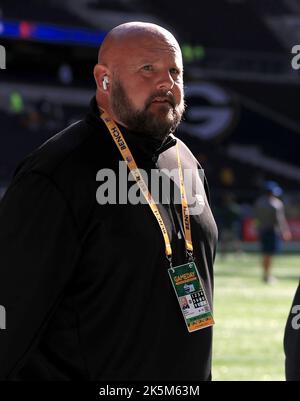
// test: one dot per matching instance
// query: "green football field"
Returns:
(250, 317)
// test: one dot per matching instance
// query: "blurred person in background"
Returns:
(292, 340)
(228, 216)
(271, 226)
(86, 286)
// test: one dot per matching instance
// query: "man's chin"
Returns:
(163, 112)
(161, 109)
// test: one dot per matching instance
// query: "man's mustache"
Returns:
(162, 95)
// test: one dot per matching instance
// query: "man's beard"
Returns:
(145, 122)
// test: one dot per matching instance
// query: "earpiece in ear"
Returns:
(105, 82)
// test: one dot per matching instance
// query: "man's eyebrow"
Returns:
(149, 60)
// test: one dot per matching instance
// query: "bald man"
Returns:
(93, 267)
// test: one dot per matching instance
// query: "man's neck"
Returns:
(102, 110)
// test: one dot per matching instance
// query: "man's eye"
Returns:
(174, 71)
(147, 67)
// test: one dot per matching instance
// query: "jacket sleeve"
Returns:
(38, 251)
(292, 340)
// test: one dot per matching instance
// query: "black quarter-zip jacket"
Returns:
(85, 286)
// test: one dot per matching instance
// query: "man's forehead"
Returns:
(149, 42)
(145, 50)
(152, 51)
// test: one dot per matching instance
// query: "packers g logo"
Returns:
(212, 111)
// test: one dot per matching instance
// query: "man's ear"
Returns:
(100, 71)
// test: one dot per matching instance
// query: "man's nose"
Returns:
(165, 81)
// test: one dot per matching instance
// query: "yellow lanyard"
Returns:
(128, 158)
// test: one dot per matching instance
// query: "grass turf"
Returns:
(250, 317)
